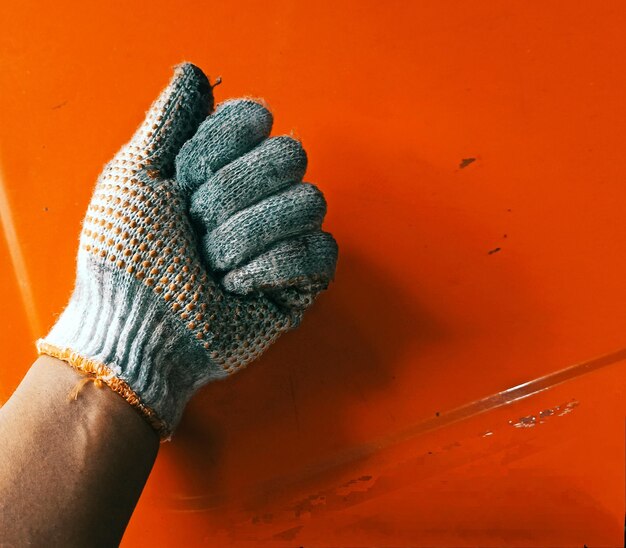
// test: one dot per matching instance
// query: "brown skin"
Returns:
(71, 472)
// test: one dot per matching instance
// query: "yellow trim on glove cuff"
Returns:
(100, 371)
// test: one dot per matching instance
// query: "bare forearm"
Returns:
(70, 471)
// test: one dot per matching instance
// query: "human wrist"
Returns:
(53, 388)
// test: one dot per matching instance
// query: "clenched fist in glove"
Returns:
(200, 246)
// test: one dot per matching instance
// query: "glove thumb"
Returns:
(172, 119)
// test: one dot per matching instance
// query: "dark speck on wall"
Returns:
(495, 250)
(466, 162)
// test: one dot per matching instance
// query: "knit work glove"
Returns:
(192, 262)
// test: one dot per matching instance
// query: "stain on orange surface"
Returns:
(391, 101)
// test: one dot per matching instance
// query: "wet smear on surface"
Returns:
(530, 421)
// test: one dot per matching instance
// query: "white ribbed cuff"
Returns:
(119, 323)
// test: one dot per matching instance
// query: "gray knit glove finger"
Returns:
(259, 225)
(149, 316)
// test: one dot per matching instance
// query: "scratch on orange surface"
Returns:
(477, 407)
(17, 260)
(360, 488)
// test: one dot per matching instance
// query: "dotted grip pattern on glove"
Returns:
(166, 301)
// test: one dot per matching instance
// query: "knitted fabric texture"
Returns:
(181, 281)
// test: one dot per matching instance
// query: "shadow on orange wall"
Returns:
(288, 410)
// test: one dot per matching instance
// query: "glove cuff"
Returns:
(115, 330)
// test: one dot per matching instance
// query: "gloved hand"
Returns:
(165, 302)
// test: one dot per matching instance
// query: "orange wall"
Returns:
(388, 98)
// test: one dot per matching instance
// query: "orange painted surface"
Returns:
(454, 283)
